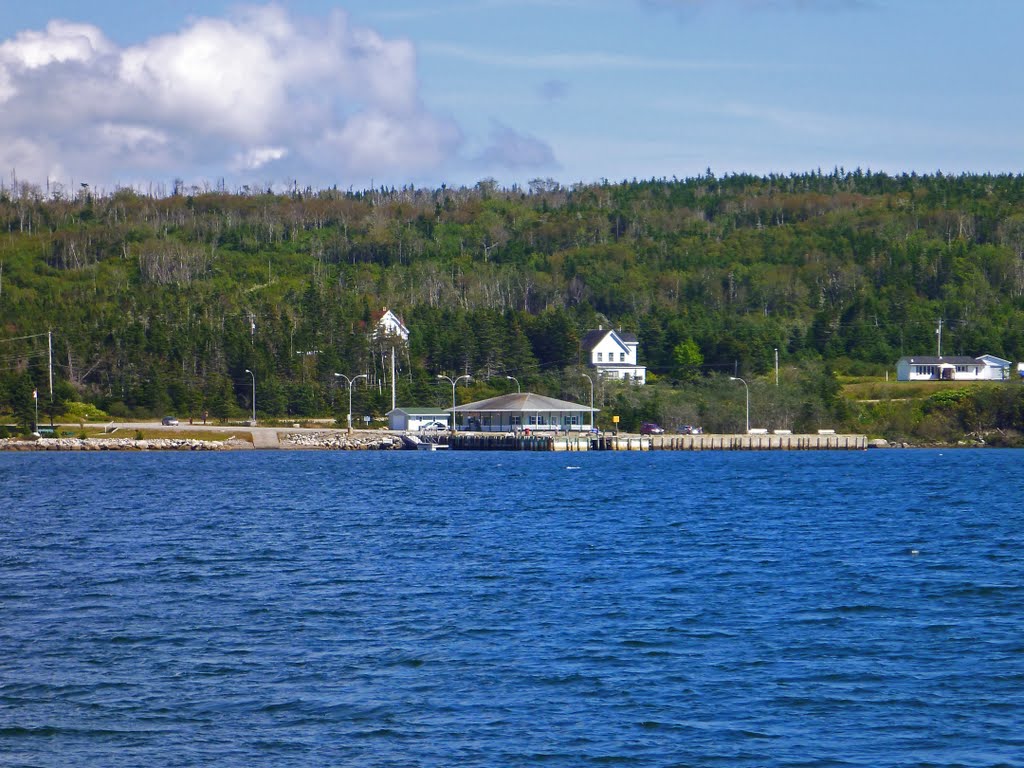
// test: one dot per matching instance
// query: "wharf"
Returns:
(755, 442)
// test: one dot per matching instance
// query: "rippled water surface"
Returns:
(474, 609)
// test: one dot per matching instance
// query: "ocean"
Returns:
(290, 608)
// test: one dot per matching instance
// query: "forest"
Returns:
(161, 303)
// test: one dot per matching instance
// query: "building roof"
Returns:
(411, 410)
(594, 337)
(523, 402)
(994, 360)
(947, 360)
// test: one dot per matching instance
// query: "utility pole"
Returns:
(49, 352)
(938, 332)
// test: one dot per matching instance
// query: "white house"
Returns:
(524, 410)
(411, 419)
(946, 368)
(387, 323)
(613, 354)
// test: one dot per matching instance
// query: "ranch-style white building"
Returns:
(955, 368)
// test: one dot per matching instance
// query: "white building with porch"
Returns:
(955, 368)
(613, 354)
(521, 411)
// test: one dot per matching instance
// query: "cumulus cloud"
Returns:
(247, 92)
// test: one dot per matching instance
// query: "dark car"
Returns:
(650, 428)
(169, 421)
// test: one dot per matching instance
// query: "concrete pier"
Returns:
(755, 442)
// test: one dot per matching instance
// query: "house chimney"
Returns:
(600, 327)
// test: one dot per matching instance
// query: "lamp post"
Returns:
(253, 395)
(350, 382)
(587, 376)
(454, 381)
(737, 378)
(518, 388)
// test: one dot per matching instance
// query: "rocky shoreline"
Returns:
(339, 441)
(118, 444)
(326, 440)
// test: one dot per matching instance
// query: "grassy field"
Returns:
(867, 389)
(156, 433)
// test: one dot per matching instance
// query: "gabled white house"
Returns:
(387, 323)
(613, 354)
(931, 368)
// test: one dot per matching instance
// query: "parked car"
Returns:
(650, 428)
(433, 425)
(169, 421)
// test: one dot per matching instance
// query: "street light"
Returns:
(587, 376)
(253, 395)
(454, 381)
(737, 378)
(351, 381)
(518, 388)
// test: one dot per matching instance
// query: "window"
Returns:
(515, 421)
(600, 356)
(533, 420)
(571, 420)
(622, 357)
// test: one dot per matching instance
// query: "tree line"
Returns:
(161, 303)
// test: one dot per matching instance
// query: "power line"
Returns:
(22, 338)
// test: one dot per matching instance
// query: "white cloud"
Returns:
(375, 140)
(61, 42)
(258, 157)
(255, 89)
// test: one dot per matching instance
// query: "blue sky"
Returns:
(454, 91)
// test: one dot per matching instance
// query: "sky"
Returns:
(370, 93)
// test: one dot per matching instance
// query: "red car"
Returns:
(650, 428)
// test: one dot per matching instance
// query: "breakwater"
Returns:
(118, 444)
(756, 442)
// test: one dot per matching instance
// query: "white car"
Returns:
(432, 425)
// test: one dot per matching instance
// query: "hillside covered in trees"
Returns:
(160, 303)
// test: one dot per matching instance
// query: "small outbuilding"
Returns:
(524, 411)
(412, 419)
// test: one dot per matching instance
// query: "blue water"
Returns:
(473, 609)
